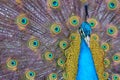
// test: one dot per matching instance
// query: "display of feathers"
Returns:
(34, 35)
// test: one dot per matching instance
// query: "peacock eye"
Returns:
(61, 62)
(11, 64)
(93, 23)
(74, 21)
(112, 4)
(116, 57)
(54, 3)
(95, 37)
(30, 74)
(106, 62)
(52, 76)
(63, 44)
(22, 21)
(105, 75)
(115, 77)
(105, 46)
(74, 36)
(55, 28)
(112, 31)
(33, 43)
(48, 56)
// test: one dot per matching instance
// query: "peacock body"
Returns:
(39, 39)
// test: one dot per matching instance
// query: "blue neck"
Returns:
(86, 67)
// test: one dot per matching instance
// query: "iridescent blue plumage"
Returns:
(86, 67)
(86, 28)
(85, 31)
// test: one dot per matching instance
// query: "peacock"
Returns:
(42, 39)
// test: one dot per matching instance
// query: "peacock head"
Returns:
(85, 29)
(85, 32)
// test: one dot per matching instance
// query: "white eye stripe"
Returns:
(83, 33)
